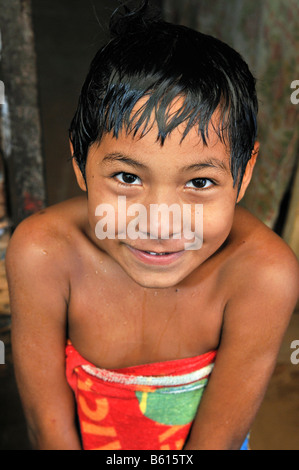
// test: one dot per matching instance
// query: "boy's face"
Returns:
(144, 172)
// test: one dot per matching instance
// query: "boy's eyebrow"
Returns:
(120, 157)
(208, 163)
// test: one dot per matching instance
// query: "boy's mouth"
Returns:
(155, 257)
(158, 254)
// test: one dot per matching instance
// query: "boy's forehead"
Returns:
(146, 148)
(174, 110)
(178, 147)
(150, 130)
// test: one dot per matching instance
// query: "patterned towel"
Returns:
(149, 406)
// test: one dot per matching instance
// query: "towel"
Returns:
(144, 407)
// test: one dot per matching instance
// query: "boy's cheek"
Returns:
(107, 213)
(217, 221)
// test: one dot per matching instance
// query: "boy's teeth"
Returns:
(156, 254)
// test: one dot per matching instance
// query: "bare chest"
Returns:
(114, 323)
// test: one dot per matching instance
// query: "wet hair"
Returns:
(147, 57)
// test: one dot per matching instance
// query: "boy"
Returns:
(169, 345)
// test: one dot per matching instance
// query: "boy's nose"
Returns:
(163, 218)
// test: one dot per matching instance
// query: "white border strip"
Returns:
(169, 380)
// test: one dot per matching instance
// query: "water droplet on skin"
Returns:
(44, 252)
(96, 272)
(156, 293)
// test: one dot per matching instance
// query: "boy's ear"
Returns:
(78, 173)
(248, 172)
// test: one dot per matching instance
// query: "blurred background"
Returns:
(46, 47)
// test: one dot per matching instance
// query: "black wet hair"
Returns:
(147, 57)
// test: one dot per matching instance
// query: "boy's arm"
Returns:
(38, 285)
(255, 321)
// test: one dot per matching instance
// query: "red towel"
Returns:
(149, 406)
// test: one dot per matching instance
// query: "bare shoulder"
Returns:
(263, 265)
(262, 246)
(50, 225)
(42, 240)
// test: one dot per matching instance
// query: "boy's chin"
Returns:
(157, 281)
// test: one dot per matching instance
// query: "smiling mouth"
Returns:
(159, 254)
(155, 257)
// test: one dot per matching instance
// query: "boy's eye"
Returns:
(200, 183)
(127, 178)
